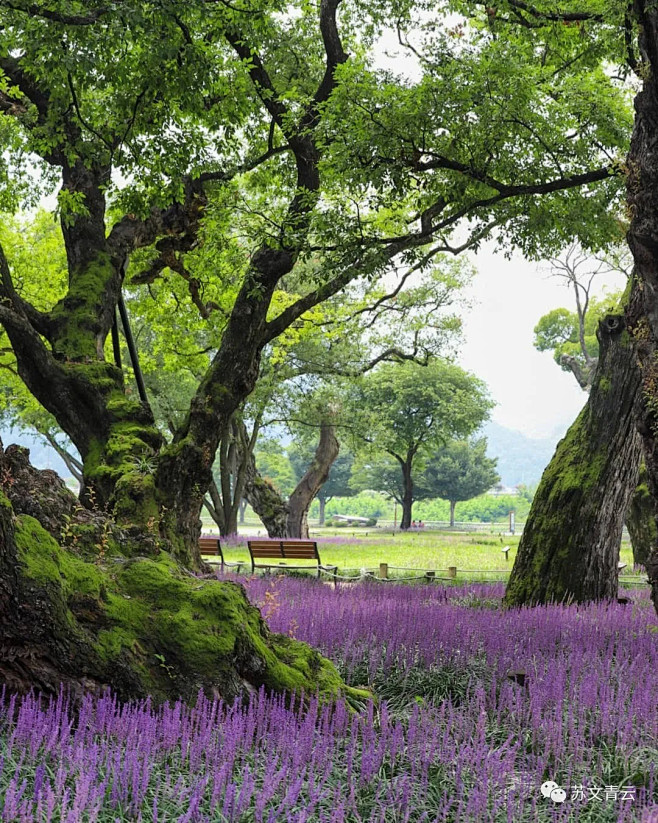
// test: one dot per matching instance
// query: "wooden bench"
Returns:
(210, 547)
(286, 550)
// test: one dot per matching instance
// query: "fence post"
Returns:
(452, 571)
(383, 570)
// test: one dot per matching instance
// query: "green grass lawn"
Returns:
(476, 556)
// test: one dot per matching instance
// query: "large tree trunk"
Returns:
(407, 495)
(570, 544)
(126, 464)
(642, 193)
(307, 488)
(641, 521)
(90, 617)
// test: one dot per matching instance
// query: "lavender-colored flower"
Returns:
(455, 737)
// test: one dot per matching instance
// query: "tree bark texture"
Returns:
(90, 617)
(407, 494)
(308, 487)
(570, 545)
(642, 195)
(641, 521)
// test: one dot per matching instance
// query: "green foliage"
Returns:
(380, 472)
(491, 135)
(486, 508)
(275, 466)
(460, 470)
(404, 408)
(482, 509)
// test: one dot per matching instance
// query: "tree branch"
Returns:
(36, 10)
(72, 463)
(38, 320)
(557, 16)
(180, 220)
(27, 86)
(261, 80)
(248, 165)
(333, 47)
(283, 320)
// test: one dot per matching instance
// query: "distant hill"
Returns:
(521, 459)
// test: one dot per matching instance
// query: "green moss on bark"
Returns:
(566, 486)
(167, 633)
(76, 316)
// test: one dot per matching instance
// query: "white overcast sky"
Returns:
(532, 392)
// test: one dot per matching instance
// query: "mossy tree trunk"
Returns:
(60, 353)
(570, 544)
(88, 616)
(642, 194)
(127, 467)
(266, 501)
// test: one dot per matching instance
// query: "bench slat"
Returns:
(286, 550)
(260, 552)
(209, 545)
(300, 555)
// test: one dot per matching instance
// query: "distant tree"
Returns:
(405, 410)
(459, 471)
(571, 335)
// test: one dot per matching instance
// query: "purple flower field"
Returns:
(453, 738)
